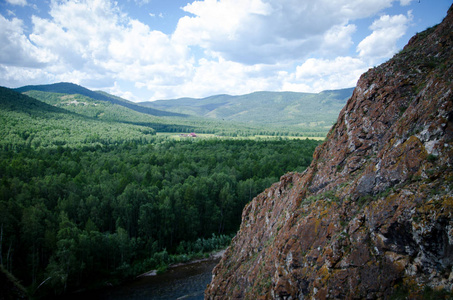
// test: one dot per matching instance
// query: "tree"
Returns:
(33, 236)
(64, 263)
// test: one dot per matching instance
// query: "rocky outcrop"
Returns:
(373, 214)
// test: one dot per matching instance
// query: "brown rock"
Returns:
(374, 211)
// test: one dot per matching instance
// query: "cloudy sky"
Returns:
(161, 49)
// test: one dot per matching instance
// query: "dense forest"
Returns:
(73, 215)
(86, 201)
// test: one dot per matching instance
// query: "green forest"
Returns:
(85, 201)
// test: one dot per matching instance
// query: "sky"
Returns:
(145, 50)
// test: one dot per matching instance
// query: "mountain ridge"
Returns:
(372, 217)
(71, 88)
(263, 107)
(266, 111)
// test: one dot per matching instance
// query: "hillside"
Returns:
(270, 108)
(27, 122)
(107, 111)
(92, 108)
(11, 100)
(73, 89)
(372, 216)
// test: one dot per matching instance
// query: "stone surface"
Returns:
(372, 215)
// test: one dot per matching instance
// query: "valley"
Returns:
(94, 193)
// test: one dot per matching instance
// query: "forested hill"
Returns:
(27, 122)
(276, 108)
(13, 101)
(72, 89)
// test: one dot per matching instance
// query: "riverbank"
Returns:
(180, 281)
(217, 255)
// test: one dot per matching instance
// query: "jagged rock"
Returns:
(373, 214)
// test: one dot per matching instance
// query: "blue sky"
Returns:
(159, 49)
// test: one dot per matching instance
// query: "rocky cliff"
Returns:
(372, 216)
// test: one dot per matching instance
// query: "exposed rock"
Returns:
(374, 212)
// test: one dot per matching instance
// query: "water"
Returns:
(180, 282)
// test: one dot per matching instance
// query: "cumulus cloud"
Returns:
(315, 75)
(16, 49)
(78, 32)
(208, 78)
(219, 26)
(11, 75)
(386, 32)
(260, 31)
(241, 46)
(214, 77)
(92, 38)
(338, 39)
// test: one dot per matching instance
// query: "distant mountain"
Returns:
(72, 89)
(277, 108)
(299, 113)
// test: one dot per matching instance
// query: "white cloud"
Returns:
(17, 2)
(217, 22)
(92, 38)
(263, 31)
(16, 49)
(116, 90)
(316, 75)
(338, 39)
(161, 15)
(219, 76)
(13, 76)
(214, 77)
(78, 32)
(223, 46)
(381, 43)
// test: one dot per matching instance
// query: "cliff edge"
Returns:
(372, 216)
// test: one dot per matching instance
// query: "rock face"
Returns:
(373, 215)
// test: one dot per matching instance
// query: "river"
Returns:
(186, 281)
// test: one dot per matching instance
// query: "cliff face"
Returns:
(373, 214)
